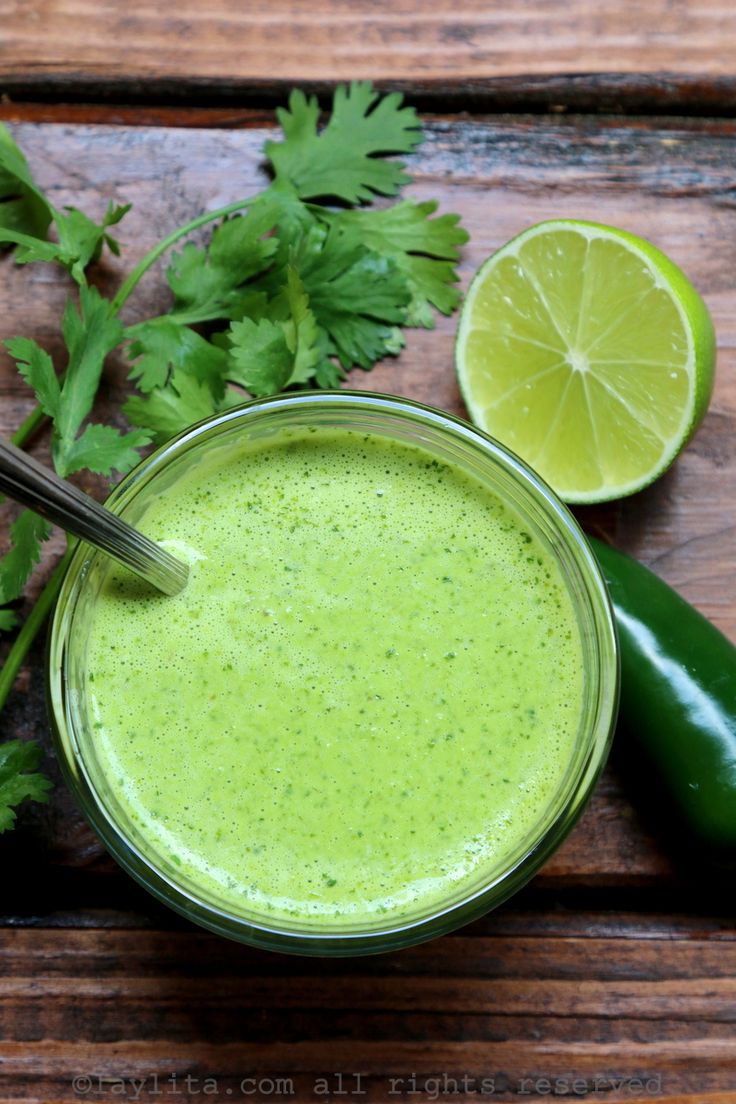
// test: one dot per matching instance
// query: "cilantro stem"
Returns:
(31, 627)
(28, 427)
(125, 289)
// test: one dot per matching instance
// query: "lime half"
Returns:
(587, 352)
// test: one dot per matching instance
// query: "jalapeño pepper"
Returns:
(678, 695)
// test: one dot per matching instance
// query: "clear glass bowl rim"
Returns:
(392, 936)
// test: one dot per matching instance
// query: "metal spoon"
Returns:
(22, 478)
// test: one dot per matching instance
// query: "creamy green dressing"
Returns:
(364, 700)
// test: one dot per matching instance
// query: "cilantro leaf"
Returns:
(26, 536)
(425, 249)
(357, 299)
(210, 283)
(113, 216)
(203, 292)
(289, 216)
(81, 239)
(169, 409)
(89, 336)
(339, 162)
(270, 355)
(357, 296)
(19, 779)
(329, 374)
(8, 620)
(300, 328)
(162, 345)
(23, 206)
(262, 361)
(37, 369)
(102, 448)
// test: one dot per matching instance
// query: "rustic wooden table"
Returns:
(615, 971)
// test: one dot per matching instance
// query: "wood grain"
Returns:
(672, 182)
(532, 51)
(565, 999)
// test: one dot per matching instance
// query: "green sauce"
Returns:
(364, 700)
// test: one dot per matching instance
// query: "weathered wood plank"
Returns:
(133, 114)
(120, 1005)
(434, 1070)
(534, 50)
(672, 182)
(509, 945)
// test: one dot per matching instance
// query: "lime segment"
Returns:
(586, 351)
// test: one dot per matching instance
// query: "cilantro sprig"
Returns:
(26, 215)
(19, 778)
(347, 279)
(295, 287)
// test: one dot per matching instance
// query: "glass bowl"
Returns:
(446, 438)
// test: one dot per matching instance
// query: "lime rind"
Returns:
(651, 433)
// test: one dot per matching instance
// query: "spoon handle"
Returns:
(25, 480)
